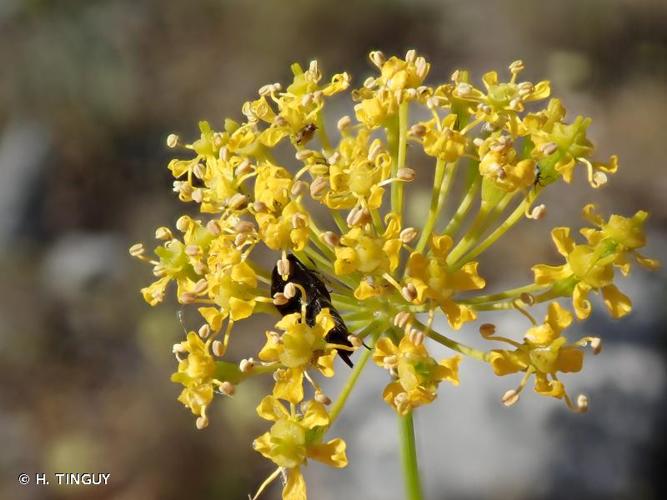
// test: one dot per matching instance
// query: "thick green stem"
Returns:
(413, 488)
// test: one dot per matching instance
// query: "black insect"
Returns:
(306, 134)
(318, 298)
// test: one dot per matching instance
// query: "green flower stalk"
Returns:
(379, 282)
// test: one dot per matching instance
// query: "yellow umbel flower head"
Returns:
(316, 224)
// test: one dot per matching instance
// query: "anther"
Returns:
(283, 267)
(213, 227)
(596, 345)
(227, 388)
(299, 221)
(355, 341)
(510, 397)
(201, 422)
(599, 179)
(582, 403)
(418, 130)
(487, 329)
(464, 89)
(358, 216)
(401, 319)
(538, 212)
(193, 250)
(224, 154)
(331, 239)
(374, 150)
(259, 207)
(299, 188)
(408, 234)
(245, 167)
(304, 154)
(409, 292)
(265, 90)
(279, 299)
(238, 201)
(187, 298)
(204, 331)
(527, 298)
(344, 123)
(406, 174)
(318, 186)
(290, 290)
(183, 223)
(390, 362)
(548, 148)
(416, 336)
(197, 195)
(199, 171)
(411, 56)
(421, 68)
(247, 365)
(377, 58)
(172, 140)
(516, 67)
(218, 348)
(137, 250)
(322, 398)
(244, 226)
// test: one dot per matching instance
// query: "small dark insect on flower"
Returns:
(318, 298)
(306, 134)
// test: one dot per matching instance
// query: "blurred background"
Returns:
(89, 90)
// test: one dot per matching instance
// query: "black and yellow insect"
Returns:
(317, 297)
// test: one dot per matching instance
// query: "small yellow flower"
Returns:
(195, 373)
(286, 230)
(441, 140)
(433, 280)
(300, 347)
(361, 249)
(417, 373)
(501, 164)
(293, 438)
(590, 267)
(544, 352)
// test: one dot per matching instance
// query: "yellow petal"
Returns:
(545, 387)
(558, 317)
(582, 306)
(457, 314)
(213, 316)
(545, 275)
(570, 360)
(449, 369)
(271, 409)
(295, 488)
(331, 453)
(263, 445)
(289, 385)
(243, 273)
(505, 362)
(383, 347)
(240, 309)
(562, 239)
(467, 278)
(314, 415)
(651, 264)
(618, 304)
